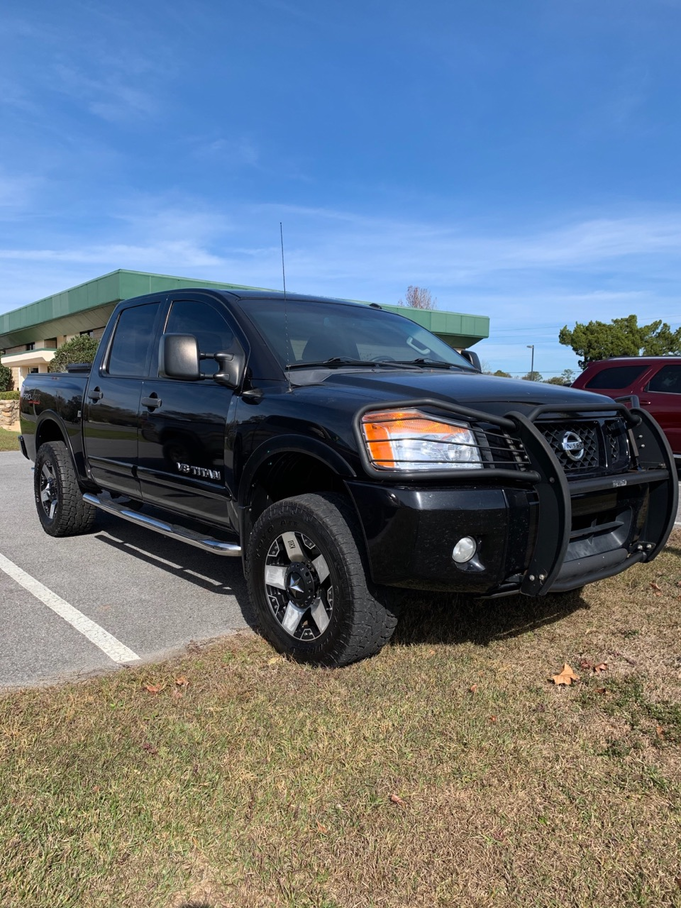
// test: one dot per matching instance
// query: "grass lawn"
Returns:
(9, 441)
(448, 771)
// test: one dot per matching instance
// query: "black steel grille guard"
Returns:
(653, 466)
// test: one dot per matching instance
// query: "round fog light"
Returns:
(464, 550)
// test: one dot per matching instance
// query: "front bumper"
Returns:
(535, 534)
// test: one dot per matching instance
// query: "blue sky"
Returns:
(519, 158)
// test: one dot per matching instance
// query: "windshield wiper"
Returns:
(336, 362)
(429, 363)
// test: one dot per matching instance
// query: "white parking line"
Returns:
(107, 643)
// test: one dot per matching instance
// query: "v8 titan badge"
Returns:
(202, 472)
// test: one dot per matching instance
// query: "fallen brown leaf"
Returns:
(396, 799)
(565, 677)
(659, 731)
(473, 688)
(493, 718)
(181, 681)
(654, 586)
(150, 749)
(585, 665)
(601, 667)
(153, 688)
(321, 828)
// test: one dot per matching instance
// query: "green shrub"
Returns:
(81, 349)
(9, 395)
(6, 381)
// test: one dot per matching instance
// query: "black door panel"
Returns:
(182, 448)
(185, 459)
(111, 408)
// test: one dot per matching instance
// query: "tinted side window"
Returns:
(668, 380)
(130, 349)
(208, 326)
(615, 377)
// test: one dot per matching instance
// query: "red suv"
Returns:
(653, 381)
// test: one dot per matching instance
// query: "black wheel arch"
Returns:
(285, 467)
(51, 427)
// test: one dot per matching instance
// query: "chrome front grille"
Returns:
(605, 444)
(562, 435)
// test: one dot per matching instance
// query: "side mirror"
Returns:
(179, 357)
(472, 358)
(231, 369)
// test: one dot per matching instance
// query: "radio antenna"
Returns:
(289, 348)
(283, 266)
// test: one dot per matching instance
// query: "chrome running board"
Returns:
(207, 543)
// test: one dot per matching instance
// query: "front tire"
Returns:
(58, 499)
(308, 582)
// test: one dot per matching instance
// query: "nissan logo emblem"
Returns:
(573, 446)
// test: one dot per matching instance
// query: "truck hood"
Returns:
(471, 389)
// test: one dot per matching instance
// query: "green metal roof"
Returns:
(456, 328)
(89, 305)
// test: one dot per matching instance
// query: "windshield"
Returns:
(301, 332)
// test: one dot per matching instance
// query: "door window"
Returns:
(667, 380)
(615, 377)
(129, 353)
(207, 325)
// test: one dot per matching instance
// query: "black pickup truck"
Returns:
(343, 452)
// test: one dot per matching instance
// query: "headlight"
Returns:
(410, 440)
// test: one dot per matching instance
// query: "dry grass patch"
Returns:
(448, 771)
(9, 441)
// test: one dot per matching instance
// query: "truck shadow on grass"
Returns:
(424, 618)
(452, 619)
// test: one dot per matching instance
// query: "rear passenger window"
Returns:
(130, 348)
(615, 377)
(667, 380)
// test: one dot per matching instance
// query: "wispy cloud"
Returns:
(17, 192)
(111, 97)
(233, 151)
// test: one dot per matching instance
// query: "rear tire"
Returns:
(307, 580)
(58, 498)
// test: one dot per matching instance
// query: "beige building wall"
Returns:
(22, 361)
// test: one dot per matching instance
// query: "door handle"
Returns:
(152, 402)
(95, 394)
(646, 403)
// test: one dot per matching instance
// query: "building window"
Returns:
(34, 371)
(86, 333)
(30, 347)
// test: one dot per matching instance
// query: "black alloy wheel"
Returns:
(308, 582)
(58, 497)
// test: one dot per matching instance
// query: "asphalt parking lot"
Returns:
(71, 607)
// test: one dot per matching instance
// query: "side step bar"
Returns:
(207, 543)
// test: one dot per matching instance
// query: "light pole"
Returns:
(531, 347)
